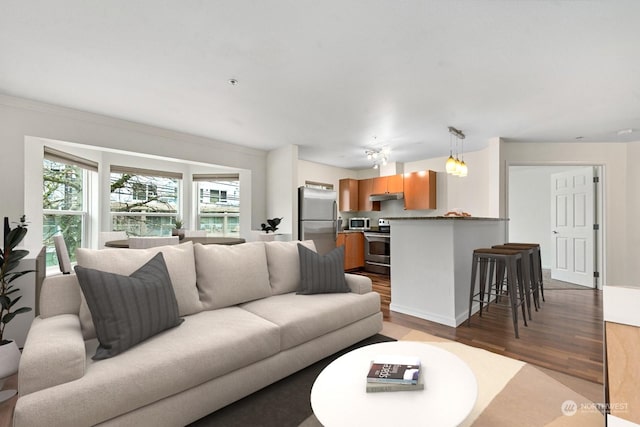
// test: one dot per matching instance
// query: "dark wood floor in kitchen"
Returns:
(565, 335)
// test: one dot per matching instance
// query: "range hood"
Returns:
(386, 196)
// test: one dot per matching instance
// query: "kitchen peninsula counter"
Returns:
(431, 263)
(466, 218)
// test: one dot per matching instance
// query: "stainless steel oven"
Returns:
(377, 252)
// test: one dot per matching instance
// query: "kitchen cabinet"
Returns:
(420, 190)
(365, 189)
(379, 185)
(388, 184)
(353, 249)
(395, 183)
(348, 195)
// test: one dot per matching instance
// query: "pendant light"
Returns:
(451, 162)
(456, 166)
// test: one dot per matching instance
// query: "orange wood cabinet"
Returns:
(379, 185)
(348, 195)
(353, 249)
(388, 184)
(365, 189)
(420, 190)
(395, 183)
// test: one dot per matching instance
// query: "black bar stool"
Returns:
(529, 274)
(537, 261)
(509, 260)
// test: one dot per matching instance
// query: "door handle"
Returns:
(555, 232)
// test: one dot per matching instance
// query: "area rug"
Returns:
(282, 404)
(510, 393)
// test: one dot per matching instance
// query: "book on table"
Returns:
(377, 387)
(394, 370)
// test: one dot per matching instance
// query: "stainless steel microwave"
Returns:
(359, 223)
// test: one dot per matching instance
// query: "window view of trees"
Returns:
(142, 202)
(219, 206)
(63, 204)
(143, 205)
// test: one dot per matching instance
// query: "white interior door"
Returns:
(572, 216)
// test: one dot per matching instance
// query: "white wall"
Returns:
(470, 193)
(530, 206)
(282, 175)
(317, 172)
(618, 257)
(21, 118)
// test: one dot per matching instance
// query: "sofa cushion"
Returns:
(207, 345)
(302, 318)
(180, 264)
(229, 275)
(322, 273)
(284, 265)
(127, 310)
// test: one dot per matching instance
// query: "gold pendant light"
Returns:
(456, 166)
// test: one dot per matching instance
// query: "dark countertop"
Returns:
(457, 218)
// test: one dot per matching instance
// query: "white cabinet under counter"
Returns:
(431, 264)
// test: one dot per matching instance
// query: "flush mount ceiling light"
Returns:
(456, 166)
(378, 157)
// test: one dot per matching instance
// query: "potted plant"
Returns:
(9, 260)
(273, 225)
(271, 228)
(177, 228)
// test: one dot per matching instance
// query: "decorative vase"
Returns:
(178, 232)
(9, 361)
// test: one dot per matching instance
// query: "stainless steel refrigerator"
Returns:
(318, 218)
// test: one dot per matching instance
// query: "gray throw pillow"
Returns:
(321, 274)
(127, 310)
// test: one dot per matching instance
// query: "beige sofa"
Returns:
(244, 328)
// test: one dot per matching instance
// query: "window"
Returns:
(208, 195)
(144, 202)
(218, 204)
(318, 185)
(64, 203)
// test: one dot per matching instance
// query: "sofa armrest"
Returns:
(358, 284)
(53, 354)
(60, 294)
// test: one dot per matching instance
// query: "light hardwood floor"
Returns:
(565, 335)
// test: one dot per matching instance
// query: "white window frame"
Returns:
(85, 213)
(197, 179)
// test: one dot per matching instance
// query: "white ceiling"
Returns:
(336, 76)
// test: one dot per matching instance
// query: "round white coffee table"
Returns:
(339, 396)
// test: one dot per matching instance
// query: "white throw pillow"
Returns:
(180, 262)
(231, 274)
(284, 265)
